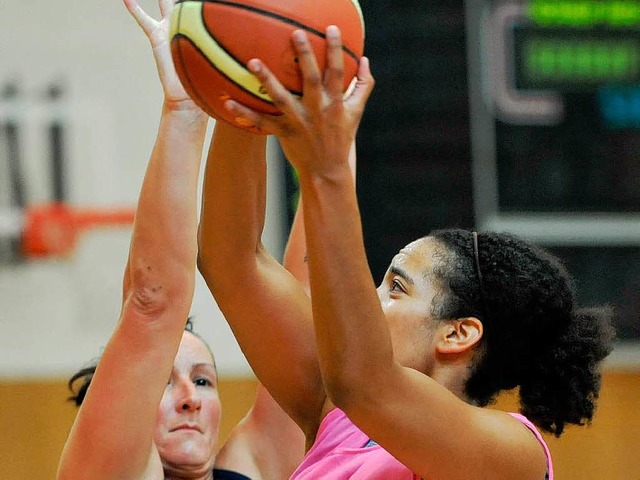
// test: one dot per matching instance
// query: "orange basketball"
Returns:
(212, 41)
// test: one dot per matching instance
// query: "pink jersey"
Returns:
(341, 451)
(535, 431)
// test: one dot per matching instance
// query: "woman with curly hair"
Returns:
(394, 385)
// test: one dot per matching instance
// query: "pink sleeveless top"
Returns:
(342, 451)
(535, 431)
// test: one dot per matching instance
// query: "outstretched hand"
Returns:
(157, 31)
(317, 130)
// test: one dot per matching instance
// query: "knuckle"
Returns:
(337, 70)
(304, 49)
(314, 79)
(278, 100)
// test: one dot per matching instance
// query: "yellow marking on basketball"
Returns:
(190, 25)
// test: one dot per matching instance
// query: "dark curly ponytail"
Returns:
(562, 386)
(533, 335)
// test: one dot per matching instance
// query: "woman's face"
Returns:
(406, 294)
(187, 427)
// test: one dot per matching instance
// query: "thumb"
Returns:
(364, 84)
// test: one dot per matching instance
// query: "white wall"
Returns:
(55, 315)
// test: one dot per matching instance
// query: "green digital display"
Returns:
(584, 13)
(575, 59)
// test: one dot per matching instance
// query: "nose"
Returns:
(189, 399)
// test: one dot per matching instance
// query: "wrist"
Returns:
(185, 109)
(337, 173)
(185, 105)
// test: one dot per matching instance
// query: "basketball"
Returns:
(212, 41)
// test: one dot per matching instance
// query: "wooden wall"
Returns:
(608, 449)
(35, 419)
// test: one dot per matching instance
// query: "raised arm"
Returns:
(266, 307)
(267, 444)
(112, 435)
(296, 252)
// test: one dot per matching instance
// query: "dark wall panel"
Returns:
(414, 158)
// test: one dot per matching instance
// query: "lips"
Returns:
(187, 427)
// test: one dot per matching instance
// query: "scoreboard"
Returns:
(555, 103)
(555, 124)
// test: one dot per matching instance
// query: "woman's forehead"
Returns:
(421, 249)
(416, 260)
(193, 350)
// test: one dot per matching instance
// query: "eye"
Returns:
(396, 286)
(202, 382)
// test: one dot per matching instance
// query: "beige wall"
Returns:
(110, 110)
(35, 419)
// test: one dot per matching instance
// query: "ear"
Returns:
(460, 335)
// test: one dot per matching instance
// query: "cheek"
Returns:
(409, 326)
(160, 433)
(213, 410)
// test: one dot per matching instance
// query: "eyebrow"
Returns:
(206, 369)
(401, 273)
(203, 365)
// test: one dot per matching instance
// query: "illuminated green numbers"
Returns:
(549, 60)
(585, 13)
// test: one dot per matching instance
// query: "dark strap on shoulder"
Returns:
(219, 474)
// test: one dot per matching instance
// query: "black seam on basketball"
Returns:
(234, 58)
(205, 58)
(275, 16)
(237, 60)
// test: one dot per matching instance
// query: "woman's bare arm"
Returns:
(268, 444)
(266, 307)
(112, 436)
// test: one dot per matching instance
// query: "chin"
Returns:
(187, 471)
(187, 457)
(179, 466)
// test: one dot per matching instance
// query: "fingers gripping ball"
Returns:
(212, 41)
